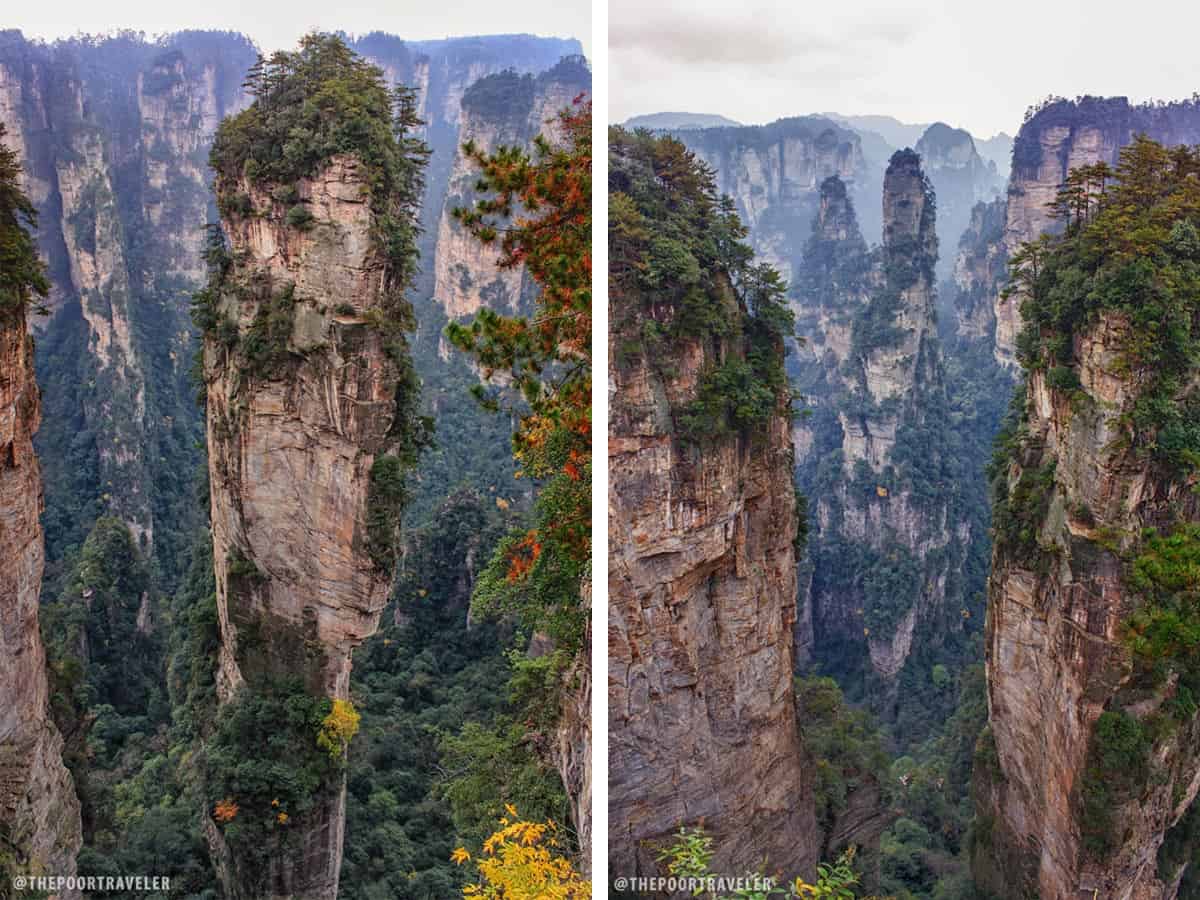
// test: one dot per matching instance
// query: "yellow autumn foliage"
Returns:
(338, 728)
(523, 861)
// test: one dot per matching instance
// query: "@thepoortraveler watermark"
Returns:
(709, 883)
(125, 884)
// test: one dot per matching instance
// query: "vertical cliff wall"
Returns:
(1062, 135)
(1091, 754)
(885, 583)
(960, 178)
(504, 109)
(40, 829)
(980, 271)
(116, 133)
(774, 173)
(702, 568)
(311, 402)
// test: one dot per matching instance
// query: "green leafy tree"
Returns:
(22, 276)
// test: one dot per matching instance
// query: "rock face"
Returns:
(774, 174)
(1055, 641)
(504, 109)
(885, 546)
(702, 569)
(116, 134)
(1060, 136)
(961, 178)
(980, 270)
(293, 445)
(40, 829)
(701, 608)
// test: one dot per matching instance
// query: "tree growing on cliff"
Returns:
(22, 274)
(537, 208)
(679, 250)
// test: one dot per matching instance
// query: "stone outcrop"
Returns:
(504, 109)
(702, 588)
(870, 369)
(292, 446)
(116, 135)
(961, 178)
(980, 270)
(40, 830)
(1054, 641)
(1058, 137)
(774, 174)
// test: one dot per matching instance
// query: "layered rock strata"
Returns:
(40, 830)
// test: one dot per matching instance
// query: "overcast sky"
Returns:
(973, 65)
(278, 24)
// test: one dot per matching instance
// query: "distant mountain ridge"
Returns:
(671, 121)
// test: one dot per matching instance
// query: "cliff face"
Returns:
(1054, 641)
(702, 567)
(318, 419)
(1093, 590)
(1060, 136)
(116, 133)
(886, 547)
(701, 607)
(312, 427)
(980, 270)
(774, 173)
(505, 109)
(40, 830)
(960, 179)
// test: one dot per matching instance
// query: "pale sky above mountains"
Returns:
(974, 65)
(277, 25)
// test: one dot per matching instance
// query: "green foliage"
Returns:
(266, 345)
(442, 744)
(690, 855)
(488, 766)
(1164, 631)
(678, 259)
(1018, 513)
(846, 744)
(311, 105)
(22, 273)
(1117, 768)
(1130, 250)
(537, 573)
(924, 853)
(95, 640)
(387, 494)
(300, 217)
(263, 758)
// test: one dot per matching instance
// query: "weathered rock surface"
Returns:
(961, 178)
(870, 369)
(980, 270)
(116, 135)
(290, 455)
(1063, 135)
(702, 588)
(774, 174)
(1054, 642)
(504, 109)
(40, 830)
